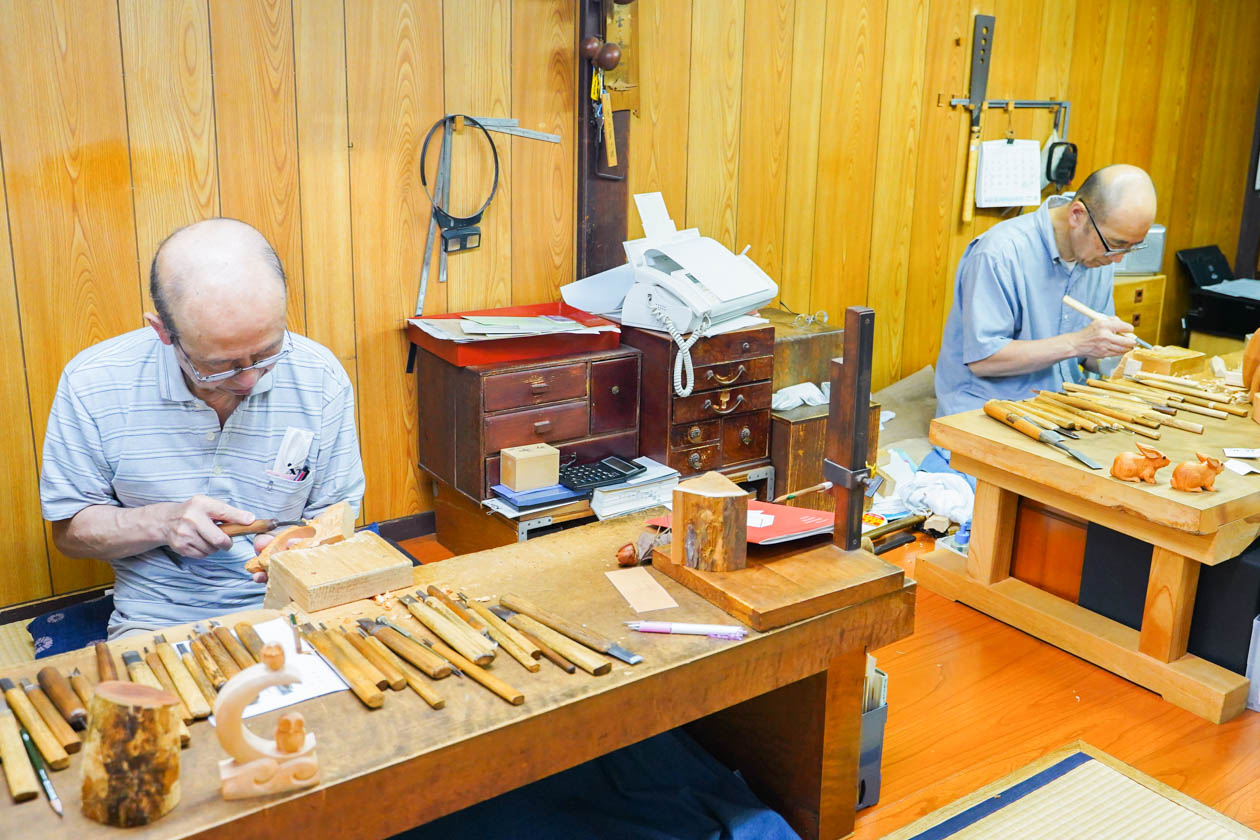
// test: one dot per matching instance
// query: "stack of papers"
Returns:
(654, 486)
(497, 327)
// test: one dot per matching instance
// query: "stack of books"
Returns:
(654, 486)
(553, 500)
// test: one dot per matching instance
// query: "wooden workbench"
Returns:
(1185, 529)
(782, 707)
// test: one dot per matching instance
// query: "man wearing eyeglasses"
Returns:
(1008, 332)
(213, 413)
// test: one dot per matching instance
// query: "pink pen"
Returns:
(717, 631)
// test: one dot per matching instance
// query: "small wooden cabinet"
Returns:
(586, 405)
(725, 421)
(1139, 300)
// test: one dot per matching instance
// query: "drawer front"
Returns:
(687, 435)
(744, 344)
(714, 404)
(624, 445)
(533, 387)
(731, 374)
(745, 437)
(536, 425)
(1138, 291)
(614, 395)
(1144, 318)
(698, 460)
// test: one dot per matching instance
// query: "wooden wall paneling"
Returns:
(1093, 56)
(896, 169)
(763, 136)
(1054, 62)
(478, 66)
(68, 184)
(1144, 54)
(658, 131)
(847, 152)
(805, 106)
(394, 82)
(544, 98)
(319, 38)
(170, 121)
(713, 122)
(937, 186)
(26, 573)
(255, 115)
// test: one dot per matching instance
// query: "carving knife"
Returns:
(1046, 436)
(258, 526)
(592, 640)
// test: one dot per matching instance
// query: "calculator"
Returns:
(610, 470)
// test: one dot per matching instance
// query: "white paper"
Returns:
(1238, 288)
(740, 322)
(293, 450)
(600, 293)
(1239, 467)
(759, 519)
(1238, 452)
(509, 510)
(1008, 174)
(726, 275)
(641, 591)
(655, 218)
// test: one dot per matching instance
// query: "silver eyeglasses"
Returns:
(206, 378)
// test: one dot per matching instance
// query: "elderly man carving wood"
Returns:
(212, 414)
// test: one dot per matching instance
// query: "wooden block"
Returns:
(788, 582)
(1170, 361)
(131, 761)
(330, 575)
(710, 524)
(529, 467)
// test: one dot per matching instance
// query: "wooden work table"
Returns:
(782, 707)
(1185, 530)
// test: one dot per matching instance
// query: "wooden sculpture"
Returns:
(131, 756)
(1139, 466)
(331, 526)
(1195, 478)
(258, 766)
(710, 524)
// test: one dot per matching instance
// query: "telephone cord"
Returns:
(683, 367)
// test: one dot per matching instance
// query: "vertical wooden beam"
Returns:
(1169, 607)
(992, 533)
(848, 422)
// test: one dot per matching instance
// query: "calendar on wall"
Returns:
(1009, 174)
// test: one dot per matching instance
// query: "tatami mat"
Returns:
(16, 645)
(1076, 793)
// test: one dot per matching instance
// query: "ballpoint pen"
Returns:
(716, 631)
(41, 771)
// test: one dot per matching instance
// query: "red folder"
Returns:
(464, 354)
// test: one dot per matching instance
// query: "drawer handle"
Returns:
(745, 435)
(694, 460)
(542, 427)
(694, 433)
(538, 387)
(616, 389)
(746, 346)
(716, 410)
(727, 380)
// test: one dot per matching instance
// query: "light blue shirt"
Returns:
(1010, 285)
(125, 430)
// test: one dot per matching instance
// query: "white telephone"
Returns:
(685, 282)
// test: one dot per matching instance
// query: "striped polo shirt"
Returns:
(125, 430)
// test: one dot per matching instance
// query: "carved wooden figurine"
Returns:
(710, 524)
(1195, 478)
(258, 766)
(1139, 466)
(131, 754)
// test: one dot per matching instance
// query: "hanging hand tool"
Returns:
(592, 640)
(441, 198)
(994, 410)
(981, 53)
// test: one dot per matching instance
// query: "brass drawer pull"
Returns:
(738, 400)
(542, 427)
(538, 387)
(727, 380)
(694, 433)
(745, 436)
(694, 460)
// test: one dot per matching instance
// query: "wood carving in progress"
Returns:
(259, 766)
(331, 526)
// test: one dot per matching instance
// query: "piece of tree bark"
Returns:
(710, 524)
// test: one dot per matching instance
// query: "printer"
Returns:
(1219, 303)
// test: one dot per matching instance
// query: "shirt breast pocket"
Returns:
(281, 498)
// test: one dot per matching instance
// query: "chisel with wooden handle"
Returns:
(233, 646)
(60, 692)
(471, 620)
(17, 766)
(219, 653)
(566, 647)
(508, 637)
(535, 643)
(81, 686)
(479, 674)
(394, 677)
(168, 685)
(61, 730)
(449, 633)
(592, 640)
(106, 669)
(46, 742)
(409, 649)
(199, 677)
(360, 662)
(368, 693)
(258, 526)
(250, 639)
(1098, 316)
(208, 666)
(1046, 436)
(183, 681)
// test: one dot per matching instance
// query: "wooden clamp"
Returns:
(847, 423)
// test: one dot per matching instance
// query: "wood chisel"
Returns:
(199, 677)
(566, 647)
(361, 663)
(106, 669)
(208, 666)
(183, 681)
(592, 640)
(81, 686)
(13, 757)
(61, 730)
(538, 644)
(367, 693)
(232, 645)
(401, 643)
(1098, 316)
(1046, 436)
(50, 748)
(168, 685)
(218, 653)
(60, 692)
(394, 677)
(509, 638)
(448, 632)
(258, 526)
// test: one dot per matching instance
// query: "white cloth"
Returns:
(805, 393)
(945, 494)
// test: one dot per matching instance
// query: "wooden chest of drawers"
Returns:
(586, 405)
(1139, 299)
(725, 422)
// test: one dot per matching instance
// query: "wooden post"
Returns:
(847, 422)
(992, 533)
(131, 758)
(710, 524)
(1170, 594)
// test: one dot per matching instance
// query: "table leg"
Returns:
(798, 746)
(1170, 594)
(992, 533)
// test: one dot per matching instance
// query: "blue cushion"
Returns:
(72, 628)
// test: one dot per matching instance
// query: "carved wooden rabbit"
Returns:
(1139, 466)
(1195, 478)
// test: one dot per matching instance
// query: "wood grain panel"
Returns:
(763, 136)
(255, 115)
(937, 186)
(809, 28)
(394, 84)
(900, 117)
(544, 63)
(1145, 52)
(713, 122)
(26, 573)
(1054, 61)
(848, 130)
(659, 129)
(170, 121)
(478, 61)
(68, 182)
(319, 39)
